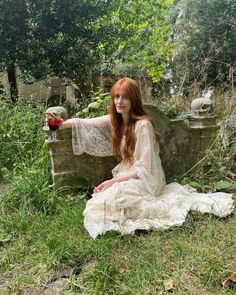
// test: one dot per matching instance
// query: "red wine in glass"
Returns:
(53, 125)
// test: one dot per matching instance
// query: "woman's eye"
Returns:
(117, 96)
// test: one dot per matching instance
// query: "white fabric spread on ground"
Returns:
(142, 203)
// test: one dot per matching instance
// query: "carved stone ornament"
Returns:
(59, 112)
(202, 107)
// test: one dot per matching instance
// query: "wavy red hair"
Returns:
(137, 112)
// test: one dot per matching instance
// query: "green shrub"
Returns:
(98, 106)
(169, 109)
(21, 135)
(31, 189)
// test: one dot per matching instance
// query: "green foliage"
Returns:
(57, 37)
(24, 155)
(78, 39)
(169, 109)
(5, 238)
(13, 31)
(205, 38)
(21, 136)
(98, 105)
(138, 37)
(31, 190)
(215, 173)
(222, 185)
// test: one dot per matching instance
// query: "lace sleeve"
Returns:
(146, 157)
(92, 136)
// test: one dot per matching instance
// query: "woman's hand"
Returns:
(103, 186)
(53, 120)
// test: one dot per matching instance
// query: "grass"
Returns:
(196, 258)
(43, 241)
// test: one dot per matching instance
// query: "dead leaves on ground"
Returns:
(230, 279)
(121, 270)
(168, 285)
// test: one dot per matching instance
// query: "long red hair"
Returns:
(137, 112)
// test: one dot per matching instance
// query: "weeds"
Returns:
(98, 105)
(21, 136)
(217, 171)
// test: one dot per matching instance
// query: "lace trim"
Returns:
(94, 141)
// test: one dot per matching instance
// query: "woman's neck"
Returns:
(125, 119)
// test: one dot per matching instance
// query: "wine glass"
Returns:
(53, 122)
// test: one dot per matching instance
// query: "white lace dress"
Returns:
(145, 202)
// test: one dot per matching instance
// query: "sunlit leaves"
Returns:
(142, 36)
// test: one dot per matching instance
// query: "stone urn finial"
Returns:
(59, 112)
(202, 114)
(202, 107)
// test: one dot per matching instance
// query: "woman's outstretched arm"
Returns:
(91, 122)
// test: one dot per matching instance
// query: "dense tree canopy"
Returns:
(13, 36)
(140, 36)
(76, 39)
(205, 39)
(71, 38)
(45, 37)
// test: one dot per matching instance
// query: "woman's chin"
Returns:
(119, 111)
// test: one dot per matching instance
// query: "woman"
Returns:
(136, 197)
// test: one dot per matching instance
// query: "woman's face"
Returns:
(122, 103)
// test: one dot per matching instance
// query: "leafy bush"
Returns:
(31, 189)
(168, 109)
(216, 172)
(21, 135)
(98, 106)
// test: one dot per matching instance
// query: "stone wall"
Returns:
(183, 143)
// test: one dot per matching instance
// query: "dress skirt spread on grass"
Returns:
(147, 201)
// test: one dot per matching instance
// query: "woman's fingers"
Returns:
(99, 188)
(102, 186)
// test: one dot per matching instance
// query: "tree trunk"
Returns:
(11, 72)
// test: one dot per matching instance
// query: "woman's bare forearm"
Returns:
(67, 124)
(88, 122)
(132, 173)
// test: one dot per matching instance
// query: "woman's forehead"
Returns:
(121, 90)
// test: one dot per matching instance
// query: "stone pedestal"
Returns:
(202, 122)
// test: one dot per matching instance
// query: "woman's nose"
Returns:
(119, 98)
